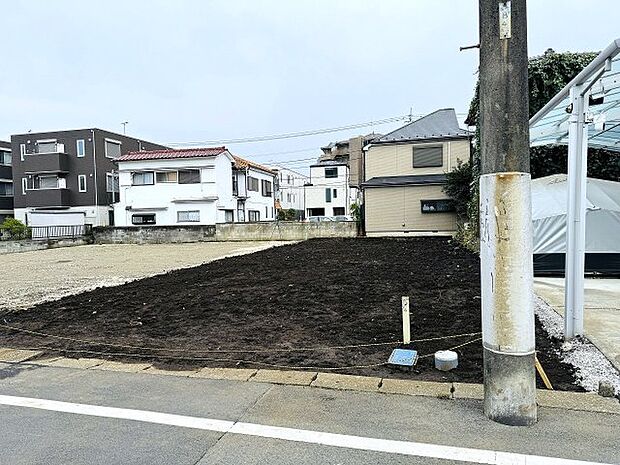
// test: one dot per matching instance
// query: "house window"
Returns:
(253, 215)
(189, 176)
(328, 195)
(166, 176)
(143, 218)
(229, 216)
(235, 184)
(24, 185)
(266, 188)
(331, 172)
(82, 183)
(5, 158)
(46, 146)
(144, 178)
(6, 189)
(338, 211)
(112, 148)
(240, 210)
(428, 157)
(22, 151)
(191, 216)
(288, 197)
(335, 193)
(45, 182)
(111, 182)
(437, 206)
(252, 184)
(81, 148)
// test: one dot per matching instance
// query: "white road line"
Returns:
(417, 449)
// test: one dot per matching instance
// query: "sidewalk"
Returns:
(601, 314)
(54, 415)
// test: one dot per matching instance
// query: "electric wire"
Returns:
(291, 135)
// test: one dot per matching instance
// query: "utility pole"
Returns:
(505, 216)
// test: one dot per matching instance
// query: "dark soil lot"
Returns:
(318, 293)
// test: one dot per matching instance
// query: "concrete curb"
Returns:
(588, 402)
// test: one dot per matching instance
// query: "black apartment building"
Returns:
(69, 177)
(6, 181)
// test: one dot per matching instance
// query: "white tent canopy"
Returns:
(550, 208)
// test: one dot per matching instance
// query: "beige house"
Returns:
(405, 172)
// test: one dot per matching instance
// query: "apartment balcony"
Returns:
(6, 202)
(48, 198)
(50, 162)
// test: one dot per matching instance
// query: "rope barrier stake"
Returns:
(406, 320)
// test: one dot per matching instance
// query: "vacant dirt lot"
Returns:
(260, 309)
(34, 277)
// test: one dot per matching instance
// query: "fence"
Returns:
(60, 231)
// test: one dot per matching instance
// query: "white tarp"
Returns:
(549, 212)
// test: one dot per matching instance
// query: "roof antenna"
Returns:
(410, 117)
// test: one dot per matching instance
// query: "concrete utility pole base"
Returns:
(510, 388)
(507, 298)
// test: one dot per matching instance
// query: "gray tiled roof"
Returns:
(411, 180)
(441, 124)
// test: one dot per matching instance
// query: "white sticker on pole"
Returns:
(506, 263)
(505, 26)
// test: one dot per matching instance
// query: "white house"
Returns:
(254, 190)
(191, 186)
(328, 193)
(289, 189)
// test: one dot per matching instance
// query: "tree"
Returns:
(548, 74)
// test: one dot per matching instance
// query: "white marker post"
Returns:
(406, 321)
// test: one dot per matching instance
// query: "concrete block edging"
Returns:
(581, 401)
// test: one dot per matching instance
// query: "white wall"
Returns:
(316, 196)
(256, 201)
(93, 215)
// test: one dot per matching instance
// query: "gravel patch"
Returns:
(590, 364)
(47, 275)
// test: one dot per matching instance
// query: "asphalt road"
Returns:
(232, 423)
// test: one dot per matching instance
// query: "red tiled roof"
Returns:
(243, 163)
(172, 154)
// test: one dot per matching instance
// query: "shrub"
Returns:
(14, 229)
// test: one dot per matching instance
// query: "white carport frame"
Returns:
(576, 116)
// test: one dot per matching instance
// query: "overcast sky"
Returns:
(192, 71)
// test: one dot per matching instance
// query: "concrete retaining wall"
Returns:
(268, 231)
(153, 234)
(29, 245)
(284, 231)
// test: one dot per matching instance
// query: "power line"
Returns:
(291, 135)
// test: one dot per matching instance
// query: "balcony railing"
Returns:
(6, 202)
(50, 162)
(48, 198)
(47, 148)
